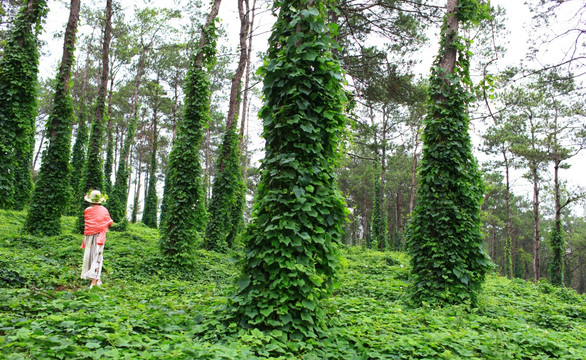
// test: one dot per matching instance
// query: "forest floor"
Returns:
(145, 310)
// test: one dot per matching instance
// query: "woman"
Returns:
(97, 221)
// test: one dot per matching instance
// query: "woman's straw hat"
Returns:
(95, 197)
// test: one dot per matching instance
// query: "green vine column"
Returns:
(92, 176)
(119, 198)
(379, 225)
(448, 261)
(226, 205)
(291, 254)
(185, 215)
(52, 189)
(149, 215)
(18, 103)
(228, 194)
(78, 153)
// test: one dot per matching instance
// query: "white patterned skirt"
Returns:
(93, 257)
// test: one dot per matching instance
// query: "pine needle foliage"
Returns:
(119, 196)
(379, 226)
(291, 252)
(185, 213)
(226, 205)
(449, 263)
(78, 154)
(18, 104)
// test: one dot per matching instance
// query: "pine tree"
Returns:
(18, 104)
(449, 263)
(291, 251)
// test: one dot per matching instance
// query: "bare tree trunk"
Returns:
(40, 148)
(234, 102)
(448, 60)
(245, 103)
(105, 70)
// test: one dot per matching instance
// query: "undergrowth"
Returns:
(147, 310)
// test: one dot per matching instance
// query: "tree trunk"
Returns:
(508, 251)
(536, 262)
(136, 190)
(414, 173)
(382, 180)
(245, 103)
(448, 60)
(39, 151)
(234, 101)
(202, 42)
(175, 105)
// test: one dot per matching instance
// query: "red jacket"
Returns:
(97, 221)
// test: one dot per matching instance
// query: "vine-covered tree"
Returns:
(52, 189)
(185, 213)
(291, 251)
(119, 196)
(92, 177)
(379, 225)
(227, 203)
(449, 263)
(79, 150)
(18, 104)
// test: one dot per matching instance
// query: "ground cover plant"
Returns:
(147, 310)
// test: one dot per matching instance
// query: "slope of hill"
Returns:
(145, 310)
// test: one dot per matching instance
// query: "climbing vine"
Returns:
(185, 214)
(92, 176)
(109, 161)
(449, 263)
(78, 154)
(149, 216)
(379, 226)
(18, 104)
(291, 253)
(52, 190)
(558, 249)
(119, 196)
(226, 205)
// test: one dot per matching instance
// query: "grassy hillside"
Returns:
(146, 311)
